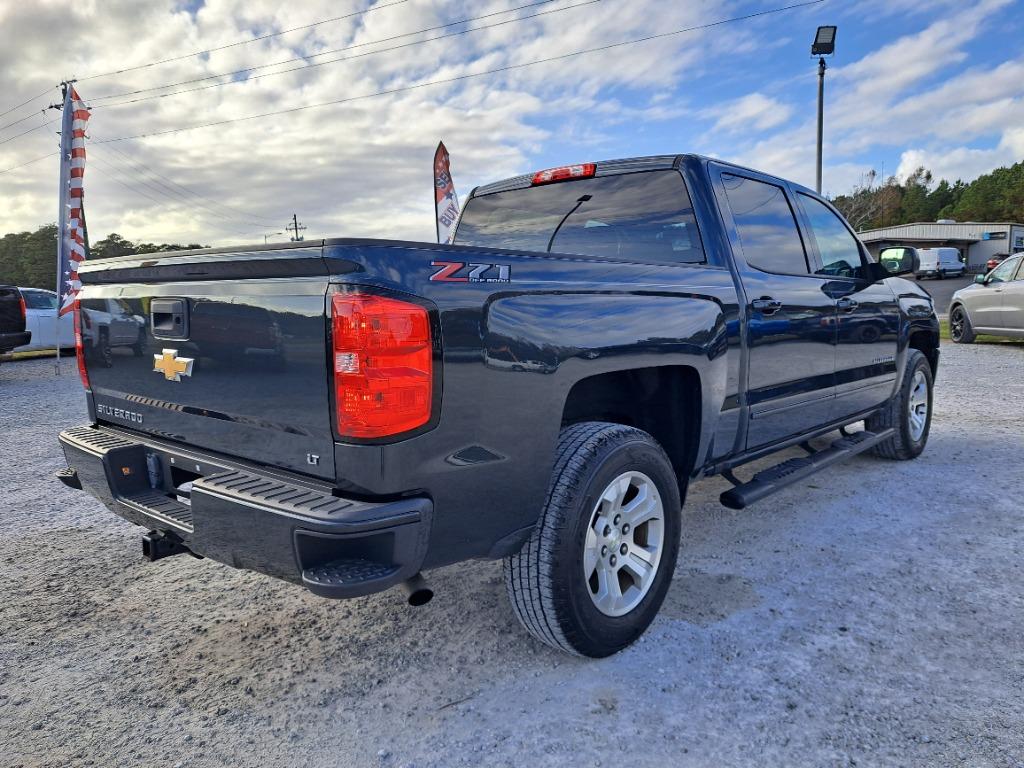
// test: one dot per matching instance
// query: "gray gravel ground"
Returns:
(872, 616)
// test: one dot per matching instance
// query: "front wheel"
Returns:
(596, 569)
(909, 412)
(960, 330)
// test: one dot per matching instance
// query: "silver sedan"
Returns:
(993, 305)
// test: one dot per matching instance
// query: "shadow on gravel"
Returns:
(706, 598)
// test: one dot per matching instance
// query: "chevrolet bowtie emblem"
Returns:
(171, 366)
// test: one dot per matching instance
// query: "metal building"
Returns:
(978, 241)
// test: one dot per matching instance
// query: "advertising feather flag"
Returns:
(446, 202)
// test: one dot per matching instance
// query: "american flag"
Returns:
(72, 224)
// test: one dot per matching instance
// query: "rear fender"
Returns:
(564, 338)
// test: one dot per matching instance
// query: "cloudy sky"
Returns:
(938, 83)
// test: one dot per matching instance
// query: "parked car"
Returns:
(41, 319)
(112, 324)
(940, 263)
(541, 391)
(995, 261)
(993, 304)
(12, 321)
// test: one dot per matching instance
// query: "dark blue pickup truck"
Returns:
(346, 414)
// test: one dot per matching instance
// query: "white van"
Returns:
(940, 263)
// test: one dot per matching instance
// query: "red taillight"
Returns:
(79, 346)
(24, 309)
(383, 365)
(582, 171)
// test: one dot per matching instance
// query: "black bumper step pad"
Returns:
(347, 572)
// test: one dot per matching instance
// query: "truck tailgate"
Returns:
(222, 351)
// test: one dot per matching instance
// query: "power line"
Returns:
(113, 175)
(459, 78)
(357, 56)
(328, 53)
(267, 36)
(29, 116)
(170, 193)
(148, 169)
(28, 162)
(27, 101)
(30, 130)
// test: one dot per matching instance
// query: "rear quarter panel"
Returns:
(511, 353)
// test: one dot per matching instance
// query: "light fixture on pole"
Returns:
(824, 45)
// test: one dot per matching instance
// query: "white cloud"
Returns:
(361, 168)
(755, 111)
(964, 163)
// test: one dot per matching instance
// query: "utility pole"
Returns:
(296, 227)
(269, 235)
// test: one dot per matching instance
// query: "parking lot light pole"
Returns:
(824, 45)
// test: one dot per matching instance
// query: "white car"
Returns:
(940, 263)
(41, 320)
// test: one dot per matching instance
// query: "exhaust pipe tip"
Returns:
(417, 591)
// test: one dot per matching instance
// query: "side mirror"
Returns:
(899, 261)
(981, 279)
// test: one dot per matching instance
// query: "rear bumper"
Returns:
(274, 523)
(11, 341)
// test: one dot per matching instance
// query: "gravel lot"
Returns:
(872, 616)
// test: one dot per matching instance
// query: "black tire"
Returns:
(960, 329)
(105, 350)
(545, 579)
(903, 446)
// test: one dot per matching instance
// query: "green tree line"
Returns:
(995, 196)
(29, 259)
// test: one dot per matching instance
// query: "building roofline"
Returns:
(945, 224)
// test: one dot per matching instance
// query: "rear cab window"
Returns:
(643, 216)
(39, 300)
(766, 226)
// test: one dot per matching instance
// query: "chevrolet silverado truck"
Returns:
(12, 321)
(542, 391)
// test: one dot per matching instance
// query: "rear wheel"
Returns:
(596, 569)
(909, 412)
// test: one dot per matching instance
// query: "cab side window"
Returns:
(765, 223)
(840, 250)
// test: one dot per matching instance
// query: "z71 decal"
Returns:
(463, 272)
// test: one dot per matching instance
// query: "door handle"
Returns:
(846, 304)
(766, 305)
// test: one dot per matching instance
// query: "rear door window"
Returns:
(645, 216)
(766, 225)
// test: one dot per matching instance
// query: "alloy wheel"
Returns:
(624, 543)
(918, 405)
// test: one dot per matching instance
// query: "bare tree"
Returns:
(862, 206)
